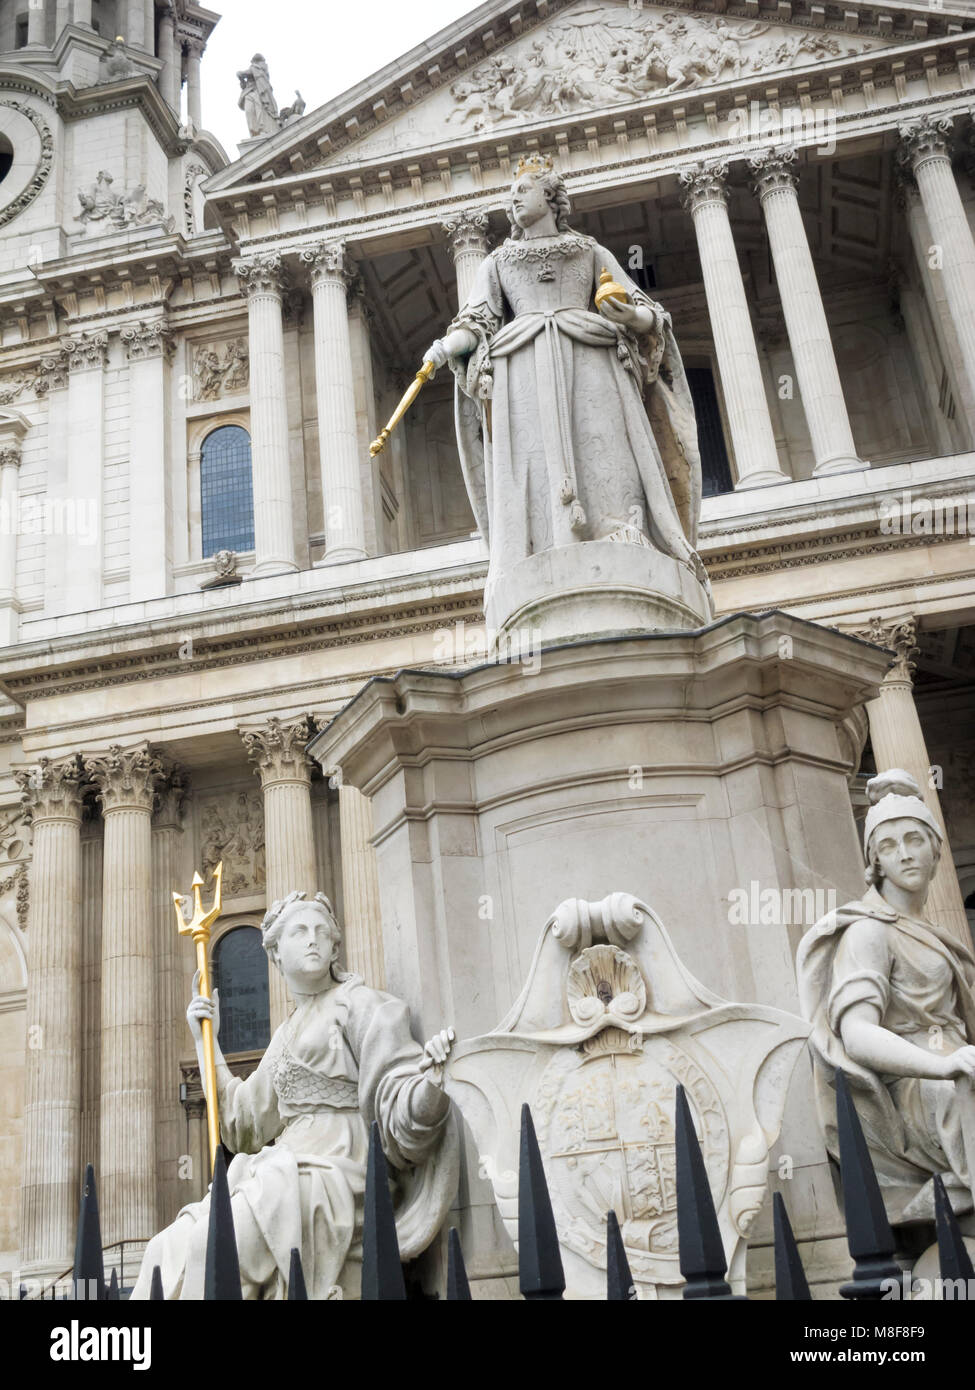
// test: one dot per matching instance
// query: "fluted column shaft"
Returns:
(926, 148)
(263, 281)
(467, 238)
(805, 317)
(278, 751)
(171, 1033)
(936, 298)
(92, 874)
(52, 1106)
(126, 780)
(897, 739)
(706, 197)
(360, 888)
(338, 444)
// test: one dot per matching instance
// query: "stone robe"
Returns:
(299, 1127)
(556, 440)
(921, 981)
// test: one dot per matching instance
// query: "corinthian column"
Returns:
(171, 1031)
(263, 281)
(278, 751)
(467, 238)
(926, 152)
(170, 78)
(706, 198)
(126, 779)
(52, 1107)
(194, 104)
(338, 444)
(805, 318)
(898, 741)
(360, 888)
(148, 349)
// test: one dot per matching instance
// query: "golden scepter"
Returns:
(414, 389)
(199, 928)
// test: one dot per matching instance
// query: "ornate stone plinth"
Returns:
(701, 769)
(593, 588)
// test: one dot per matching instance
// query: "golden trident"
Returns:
(199, 928)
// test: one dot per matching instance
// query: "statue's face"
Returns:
(528, 201)
(906, 854)
(306, 947)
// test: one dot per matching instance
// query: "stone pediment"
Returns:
(598, 55)
(553, 59)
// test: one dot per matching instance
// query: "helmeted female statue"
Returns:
(891, 997)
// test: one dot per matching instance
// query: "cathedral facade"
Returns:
(202, 562)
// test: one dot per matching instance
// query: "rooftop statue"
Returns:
(256, 98)
(299, 1126)
(891, 997)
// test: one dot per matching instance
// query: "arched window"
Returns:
(240, 974)
(226, 491)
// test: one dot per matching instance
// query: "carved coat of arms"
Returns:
(607, 1025)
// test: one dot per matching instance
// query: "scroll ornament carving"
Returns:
(45, 162)
(704, 183)
(125, 777)
(774, 171)
(84, 351)
(51, 789)
(143, 340)
(278, 750)
(466, 232)
(927, 138)
(263, 274)
(327, 260)
(900, 636)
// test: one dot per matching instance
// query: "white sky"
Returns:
(320, 47)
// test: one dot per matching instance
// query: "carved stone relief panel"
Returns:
(232, 830)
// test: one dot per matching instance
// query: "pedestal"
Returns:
(592, 588)
(694, 769)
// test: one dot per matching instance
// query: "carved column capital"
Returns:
(923, 140)
(263, 274)
(900, 636)
(326, 261)
(143, 340)
(169, 799)
(10, 455)
(704, 183)
(277, 749)
(774, 171)
(466, 231)
(85, 351)
(125, 778)
(51, 789)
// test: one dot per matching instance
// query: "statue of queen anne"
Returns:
(556, 442)
(299, 1126)
(890, 997)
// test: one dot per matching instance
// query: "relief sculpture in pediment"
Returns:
(606, 55)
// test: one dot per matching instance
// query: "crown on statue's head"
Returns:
(534, 164)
